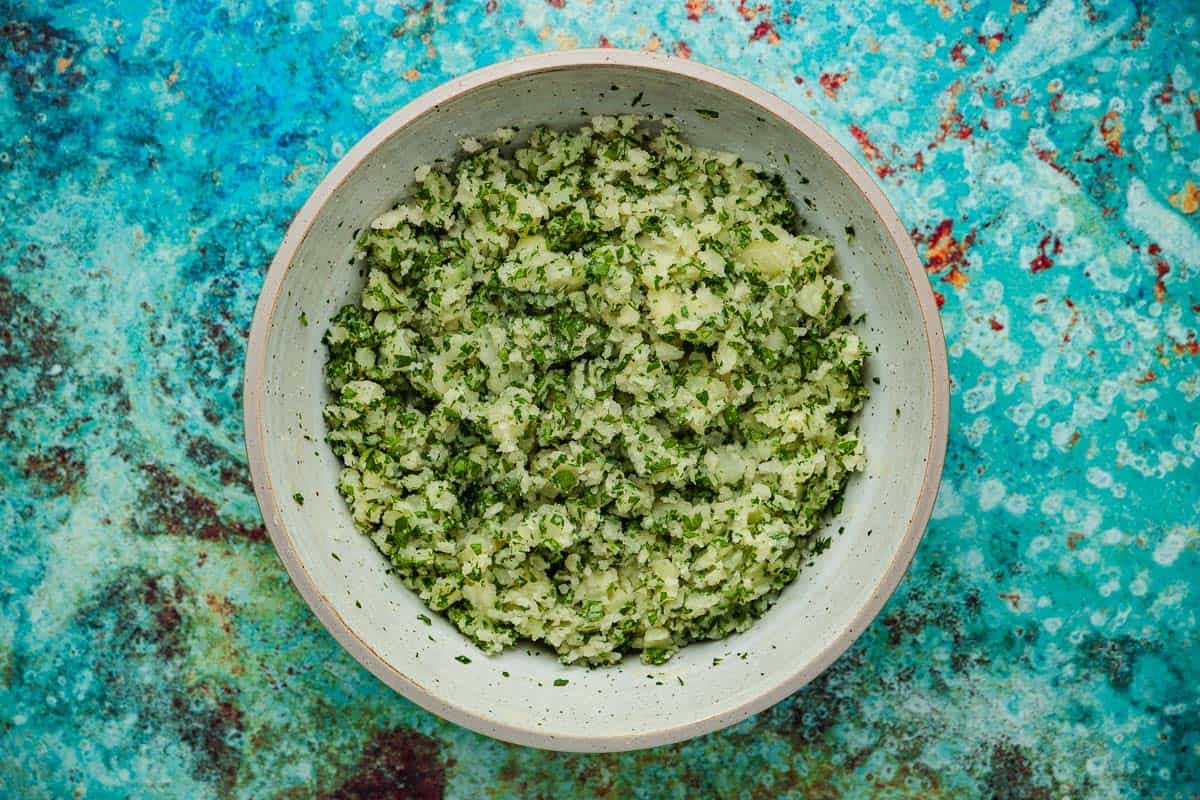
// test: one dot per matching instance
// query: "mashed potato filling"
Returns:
(597, 392)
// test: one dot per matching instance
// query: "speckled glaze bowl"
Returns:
(631, 705)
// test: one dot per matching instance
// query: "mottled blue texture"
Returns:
(1044, 643)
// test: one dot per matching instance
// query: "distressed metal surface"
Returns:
(1046, 157)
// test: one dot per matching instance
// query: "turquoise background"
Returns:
(1044, 643)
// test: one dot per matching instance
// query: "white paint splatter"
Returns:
(991, 493)
(1041, 46)
(1161, 225)
(1169, 548)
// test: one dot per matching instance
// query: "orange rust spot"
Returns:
(1191, 347)
(942, 6)
(750, 12)
(1139, 31)
(765, 30)
(869, 150)
(991, 42)
(957, 55)
(952, 120)
(996, 324)
(62, 64)
(832, 81)
(653, 44)
(1186, 199)
(1161, 268)
(1111, 128)
(956, 278)
(939, 298)
(943, 249)
(697, 8)
(411, 75)
(682, 50)
(1147, 378)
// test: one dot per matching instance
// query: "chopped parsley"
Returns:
(598, 391)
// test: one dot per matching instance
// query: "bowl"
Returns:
(706, 686)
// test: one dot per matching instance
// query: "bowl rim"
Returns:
(256, 363)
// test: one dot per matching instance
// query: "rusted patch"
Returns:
(765, 31)
(1186, 199)
(831, 82)
(1111, 128)
(41, 65)
(1187, 347)
(58, 468)
(952, 122)
(942, 250)
(1012, 776)
(30, 345)
(141, 623)
(397, 764)
(697, 8)
(871, 152)
(901, 624)
(1050, 245)
(169, 506)
(226, 468)
(138, 615)
(214, 735)
(991, 42)
(1050, 157)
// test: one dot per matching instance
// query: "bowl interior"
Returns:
(513, 696)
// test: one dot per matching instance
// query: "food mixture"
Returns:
(597, 392)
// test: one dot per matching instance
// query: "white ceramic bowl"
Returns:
(630, 705)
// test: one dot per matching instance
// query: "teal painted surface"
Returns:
(1044, 643)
